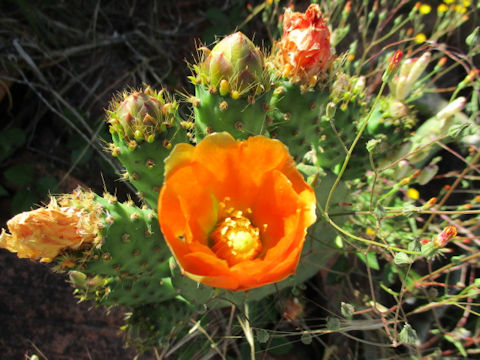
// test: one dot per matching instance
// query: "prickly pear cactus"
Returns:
(230, 89)
(144, 126)
(301, 95)
(128, 264)
(320, 123)
(152, 325)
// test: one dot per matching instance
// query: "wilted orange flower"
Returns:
(44, 232)
(445, 236)
(304, 49)
(235, 213)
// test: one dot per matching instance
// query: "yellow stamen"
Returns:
(235, 239)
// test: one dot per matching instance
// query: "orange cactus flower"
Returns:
(43, 233)
(235, 214)
(304, 49)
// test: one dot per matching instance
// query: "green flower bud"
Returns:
(140, 114)
(236, 60)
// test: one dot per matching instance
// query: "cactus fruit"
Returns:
(230, 89)
(144, 126)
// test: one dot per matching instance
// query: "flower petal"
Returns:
(222, 181)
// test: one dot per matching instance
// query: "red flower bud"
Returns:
(445, 236)
(304, 49)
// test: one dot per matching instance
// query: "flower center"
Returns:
(235, 239)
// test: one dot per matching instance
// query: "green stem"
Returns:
(367, 241)
(247, 330)
(458, 180)
(350, 151)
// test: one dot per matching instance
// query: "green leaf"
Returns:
(20, 175)
(370, 260)
(10, 140)
(472, 39)
(457, 260)
(347, 310)
(427, 174)
(333, 324)
(379, 211)
(457, 344)
(410, 210)
(23, 200)
(402, 258)
(389, 274)
(339, 271)
(306, 338)
(262, 336)
(280, 345)
(429, 250)
(372, 144)
(408, 335)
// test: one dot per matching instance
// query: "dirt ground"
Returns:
(40, 315)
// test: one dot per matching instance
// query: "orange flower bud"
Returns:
(235, 214)
(445, 236)
(442, 61)
(348, 7)
(395, 60)
(305, 44)
(424, 241)
(393, 64)
(430, 203)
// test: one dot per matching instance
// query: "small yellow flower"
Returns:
(460, 9)
(448, 1)
(369, 231)
(425, 9)
(442, 8)
(420, 38)
(413, 194)
(466, 3)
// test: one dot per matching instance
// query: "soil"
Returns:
(40, 315)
